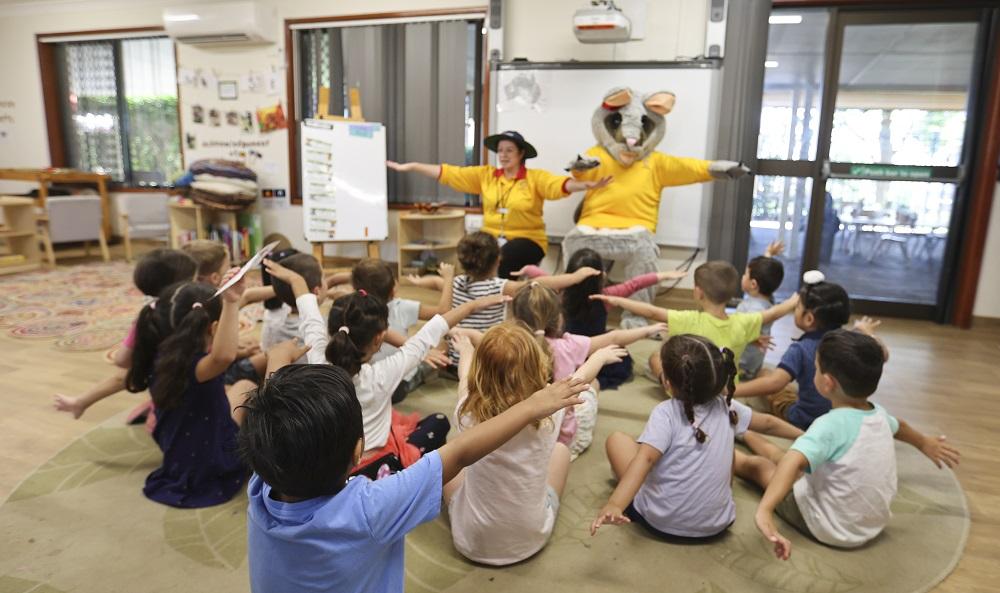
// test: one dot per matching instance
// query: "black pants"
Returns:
(516, 254)
(431, 433)
(634, 515)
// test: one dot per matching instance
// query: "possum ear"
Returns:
(661, 102)
(617, 98)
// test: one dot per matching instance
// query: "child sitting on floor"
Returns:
(715, 283)
(309, 527)
(154, 272)
(837, 481)
(761, 278)
(585, 317)
(676, 479)
(503, 508)
(358, 323)
(185, 341)
(822, 307)
(479, 254)
(289, 328)
(376, 277)
(539, 309)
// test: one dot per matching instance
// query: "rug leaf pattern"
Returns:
(215, 536)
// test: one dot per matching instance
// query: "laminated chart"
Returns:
(343, 181)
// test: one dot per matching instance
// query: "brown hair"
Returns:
(719, 280)
(538, 308)
(493, 384)
(478, 253)
(374, 276)
(698, 372)
(303, 264)
(209, 255)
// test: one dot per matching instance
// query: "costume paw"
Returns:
(727, 169)
(581, 163)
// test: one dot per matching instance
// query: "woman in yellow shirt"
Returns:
(512, 195)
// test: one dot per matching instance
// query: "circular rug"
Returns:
(50, 327)
(85, 504)
(93, 338)
(22, 314)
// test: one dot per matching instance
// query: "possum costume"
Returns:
(619, 220)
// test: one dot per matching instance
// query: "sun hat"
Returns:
(491, 142)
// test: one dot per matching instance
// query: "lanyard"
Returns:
(502, 200)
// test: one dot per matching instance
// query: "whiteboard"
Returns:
(344, 195)
(554, 115)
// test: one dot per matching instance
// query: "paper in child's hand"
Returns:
(253, 263)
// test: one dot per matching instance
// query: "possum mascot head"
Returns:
(629, 126)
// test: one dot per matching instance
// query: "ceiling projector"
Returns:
(603, 22)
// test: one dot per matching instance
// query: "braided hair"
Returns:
(698, 373)
(355, 321)
(169, 333)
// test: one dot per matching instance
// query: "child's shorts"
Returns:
(781, 401)
(788, 510)
(241, 369)
(635, 517)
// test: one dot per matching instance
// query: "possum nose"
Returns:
(631, 142)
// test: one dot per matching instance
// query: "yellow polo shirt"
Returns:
(523, 197)
(633, 198)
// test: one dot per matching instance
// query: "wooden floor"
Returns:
(941, 379)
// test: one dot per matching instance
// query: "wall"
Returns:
(988, 292)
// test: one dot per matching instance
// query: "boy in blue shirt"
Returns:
(837, 481)
(309, 528)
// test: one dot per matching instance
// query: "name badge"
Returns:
(501, 240)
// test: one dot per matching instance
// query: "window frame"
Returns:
(46, 44)
(402, 17)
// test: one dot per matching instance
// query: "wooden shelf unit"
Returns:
(20, 233)
(186, 217)
(445, 228)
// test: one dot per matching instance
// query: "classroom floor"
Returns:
(941, 379)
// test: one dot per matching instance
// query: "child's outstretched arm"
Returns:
(772, 382)
(78, 405)
(624, 337)
(936, 449)
(311, 325)
(475, 443)
(778, 311)
(592, 366)
(633, 285)
(456, 315)
(646, 310)
(774, 426)
(867, 326)
(614, 511)
(227, 334)
(447, 275)
(463, 345)
(557, 282)
(431, 282)
(789, 469)
(256, 294)
(774, 248)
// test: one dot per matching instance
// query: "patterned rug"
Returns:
(87, 307)
(80, 523)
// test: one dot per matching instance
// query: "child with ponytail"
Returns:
(357, 326)
(676, 479)
(185, 341)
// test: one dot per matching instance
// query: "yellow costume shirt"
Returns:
(633, 198)
(523, 197)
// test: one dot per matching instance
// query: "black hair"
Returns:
(162, 267)
(768, 272)
(274, 302)
(374, 276)
(478, 252)
(718, 279)
(698, 372)
(828, 302)
(577, 305)
(304, 265)
(363, 317)
(854, 359)
(301, 429)
(169, 333)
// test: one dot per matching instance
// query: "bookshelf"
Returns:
(19, 234)
(239, 231)
(436, 234)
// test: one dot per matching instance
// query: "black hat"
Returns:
(491, 142)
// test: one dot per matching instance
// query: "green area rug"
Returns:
(80, 523)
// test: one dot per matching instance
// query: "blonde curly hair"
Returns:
(509, 365)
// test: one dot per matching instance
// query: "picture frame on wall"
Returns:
(229, 90)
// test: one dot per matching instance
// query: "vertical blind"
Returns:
(419, 79)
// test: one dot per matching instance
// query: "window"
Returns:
(118, 108)
(422, 80)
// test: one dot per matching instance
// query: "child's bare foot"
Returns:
(65, 403)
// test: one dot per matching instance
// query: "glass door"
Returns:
(884, 149)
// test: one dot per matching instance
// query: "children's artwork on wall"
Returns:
(214, 118)
(232, 118)
(198, 114)
(246, 122)
(190, 140)
(228, 90)
(271, 118)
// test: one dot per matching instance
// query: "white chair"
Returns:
(143, 216)
(73, 219)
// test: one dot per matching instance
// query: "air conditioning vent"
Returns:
(222, 23)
